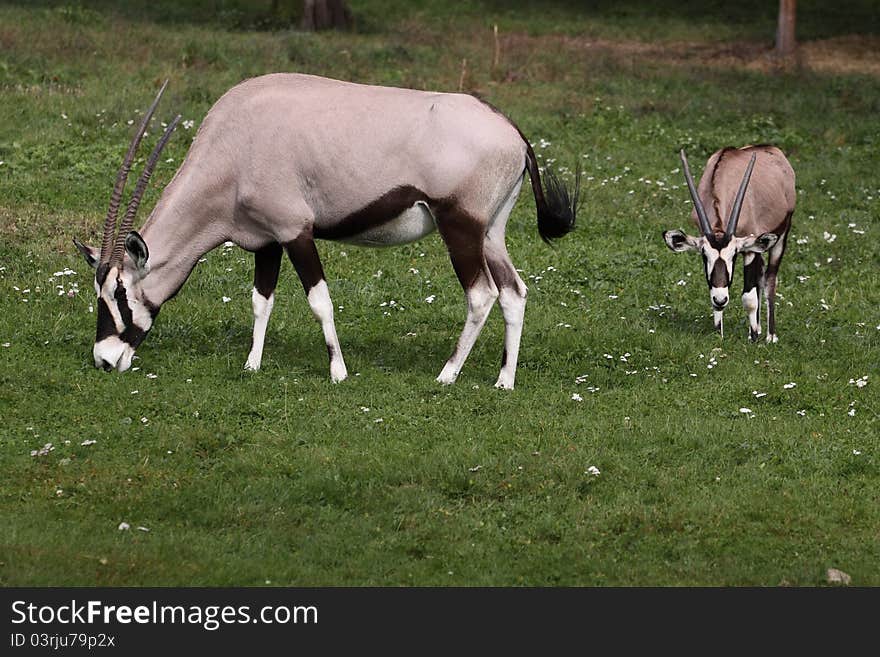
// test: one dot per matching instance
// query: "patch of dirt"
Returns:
(852, 54)
(25, 226)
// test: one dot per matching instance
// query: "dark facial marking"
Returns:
(719, 276)
(383, 209)
(267, 264)
(132, 334)
(101, 273)
(106, 325)
(304, 256)
(122, 303)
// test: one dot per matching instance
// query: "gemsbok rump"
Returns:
(283, 159)
(744, 203)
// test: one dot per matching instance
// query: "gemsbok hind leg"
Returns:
(511, 289)
(304, 255)
(774, 258)
(753, 271)
(464, 237)
(267, 264)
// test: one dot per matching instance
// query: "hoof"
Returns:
(252, 365)
(447, 376)
(754, 336)
(772, 338)
(338, 372)
(504, 383)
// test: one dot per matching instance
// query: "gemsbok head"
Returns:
(282, 160)
(744, 204)
(125, 314)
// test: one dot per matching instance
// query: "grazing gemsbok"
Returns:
(283, 159)
(750, 196)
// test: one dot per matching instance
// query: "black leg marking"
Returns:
(752, 277)
(304, 256)
(770, 276)
(267, 265)
(463, 236)
(305, 259)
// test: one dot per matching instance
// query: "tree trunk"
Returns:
(785, 39)
(326, 15)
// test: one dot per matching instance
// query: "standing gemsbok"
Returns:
(283, 159)
(744, 203)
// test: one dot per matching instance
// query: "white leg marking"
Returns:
(512, 301)
(513, 307)
(262, 310)
(322, 307)
(751, 303)
(718, 318)
(480, 299)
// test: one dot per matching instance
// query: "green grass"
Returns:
(283, 477)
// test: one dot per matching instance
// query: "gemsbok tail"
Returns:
(557, 203)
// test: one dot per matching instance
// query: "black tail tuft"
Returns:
(558, 215)
(557, 203)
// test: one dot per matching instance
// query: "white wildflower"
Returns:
(44, 450)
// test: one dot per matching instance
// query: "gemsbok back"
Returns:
(284, 159)
(744, 204)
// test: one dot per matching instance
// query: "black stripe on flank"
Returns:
(385, 208)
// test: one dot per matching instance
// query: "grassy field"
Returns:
(282, 478)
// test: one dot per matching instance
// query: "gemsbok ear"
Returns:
(90, 254)
(137, 250)
(758, 244)
(679, 241)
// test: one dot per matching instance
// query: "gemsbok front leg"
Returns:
(464, 235)
(304, 255)
(753, 273)
(774, 258)
(267, 264)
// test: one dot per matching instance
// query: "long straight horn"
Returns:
(121, 177)
(698, 204)
(737, 204)
(128, 219)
